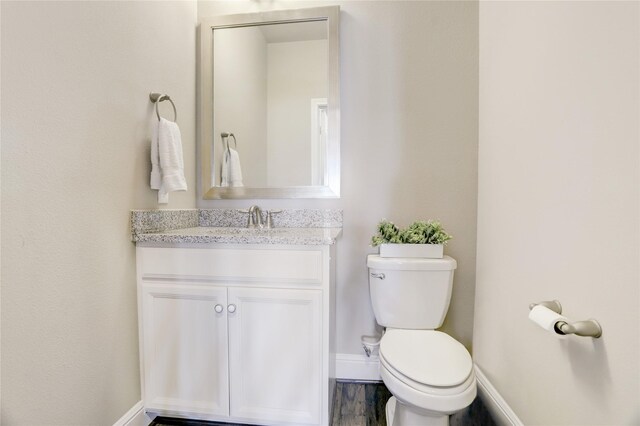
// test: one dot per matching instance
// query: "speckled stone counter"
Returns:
(143, 221)
(228, 226)
(290, 218)
(222, 235)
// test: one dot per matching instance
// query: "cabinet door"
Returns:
(185, 348)
(275, 355)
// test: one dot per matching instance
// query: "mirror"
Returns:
(269, 105)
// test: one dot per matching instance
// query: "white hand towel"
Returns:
(231, 171)
(156, 176)
(167, 164)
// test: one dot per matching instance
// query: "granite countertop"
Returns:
(229, 226)
(237, 235)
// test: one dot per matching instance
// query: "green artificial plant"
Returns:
(419, 232)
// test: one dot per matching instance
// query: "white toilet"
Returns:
(429, 373)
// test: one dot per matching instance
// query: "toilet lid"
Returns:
(429, 357)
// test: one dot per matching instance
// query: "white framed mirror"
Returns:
(269, 105)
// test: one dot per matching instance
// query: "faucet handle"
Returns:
(270, 219)
(250, 222)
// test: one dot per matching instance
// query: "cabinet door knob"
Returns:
(231, 308)
(218, 308)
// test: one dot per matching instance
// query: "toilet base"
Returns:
(399, 414)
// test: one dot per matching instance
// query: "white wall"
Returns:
(409, 106)
(296, 73)
(558, 207)
(75, 147)
(240, 99)
(559, 170)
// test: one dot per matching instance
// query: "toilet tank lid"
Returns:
(411, 263)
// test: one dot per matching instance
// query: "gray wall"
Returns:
(75, 159)
(409, 100)
(558, 207)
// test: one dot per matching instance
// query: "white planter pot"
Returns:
(430, 251)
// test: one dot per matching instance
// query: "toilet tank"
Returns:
(412, 293)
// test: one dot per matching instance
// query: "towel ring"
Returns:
(157, 98)
(226, 135)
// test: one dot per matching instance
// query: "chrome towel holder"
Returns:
(159, 97)
(225, 138)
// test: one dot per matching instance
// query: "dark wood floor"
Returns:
(360, 404)
(363, 404)
(356, 404)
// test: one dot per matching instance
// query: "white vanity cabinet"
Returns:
(184, 340)
(237, 333)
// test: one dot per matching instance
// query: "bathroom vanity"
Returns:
(237, 325)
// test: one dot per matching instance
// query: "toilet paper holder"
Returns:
(588, 328)
(554, 305)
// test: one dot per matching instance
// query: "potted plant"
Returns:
(420, 239)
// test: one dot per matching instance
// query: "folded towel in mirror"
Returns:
(231, 171)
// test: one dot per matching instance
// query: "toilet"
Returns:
(429, 373)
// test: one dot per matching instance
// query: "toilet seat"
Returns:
(427, 357)
(428, 369)
(427, 389)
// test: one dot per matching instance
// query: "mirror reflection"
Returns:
(270, 89)
(269, 105)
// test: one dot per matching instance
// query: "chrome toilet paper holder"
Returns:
(587, 328)
(554, 305)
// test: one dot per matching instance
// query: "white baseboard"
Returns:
(357, 367)
(500, 411)
(135, 417)
(360, 368)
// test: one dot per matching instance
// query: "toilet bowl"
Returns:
(429, 373)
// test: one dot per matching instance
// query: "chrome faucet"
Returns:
(255, 217)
